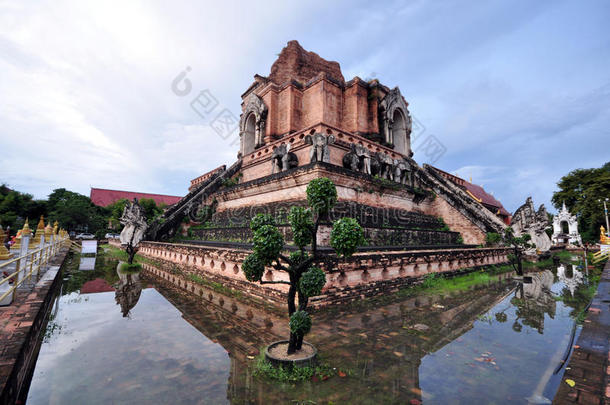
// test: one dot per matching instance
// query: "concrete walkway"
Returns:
(589, 366)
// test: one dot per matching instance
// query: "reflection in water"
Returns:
(570, 277)
(87, 263)
(128, 290)
(533, 300)
(455, 348)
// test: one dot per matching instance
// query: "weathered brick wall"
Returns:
(471, 233)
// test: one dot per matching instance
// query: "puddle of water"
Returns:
(501, 343)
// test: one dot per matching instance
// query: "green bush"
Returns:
(492, 238)
(267, 243)
(259, 220)
(301, 222)
(253, 267)
(300, 323)
(321, 195)
(346, 236)
(312, 282)
(130, 268)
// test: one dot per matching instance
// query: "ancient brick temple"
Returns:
(304, 121)
(307, 95)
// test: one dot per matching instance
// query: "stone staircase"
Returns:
(168, 224)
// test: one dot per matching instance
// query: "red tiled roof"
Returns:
(103, 197)
(484, 197)
(477, 192)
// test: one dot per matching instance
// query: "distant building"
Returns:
(103, 197)
(479, 194)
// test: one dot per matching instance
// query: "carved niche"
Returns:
(252, 124)
(395, 122)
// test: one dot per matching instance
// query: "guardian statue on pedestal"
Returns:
(135, 225)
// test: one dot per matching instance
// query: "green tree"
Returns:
(305, 280)
(519, 244)
(582, 190)
(114, 212)
(75, 211)
(15, 207)
(151, 209)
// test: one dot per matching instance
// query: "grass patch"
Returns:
(435, 283)
(120, 254)
(264, 369)
(130, 268)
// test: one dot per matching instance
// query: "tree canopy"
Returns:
(583, 191)
(75, 211)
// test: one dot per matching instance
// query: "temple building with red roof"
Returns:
(478, 194)
(104, 197)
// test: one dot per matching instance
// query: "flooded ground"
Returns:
(120, 338)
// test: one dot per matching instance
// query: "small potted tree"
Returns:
(305, 280)
(519, 245)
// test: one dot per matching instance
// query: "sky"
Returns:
(516, 92)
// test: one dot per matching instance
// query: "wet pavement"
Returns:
(141, 340)
(587, 376)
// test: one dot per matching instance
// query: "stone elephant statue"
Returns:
(319, 147)
(401, 171)
(282, 159)
(386, 165)
(351, 160)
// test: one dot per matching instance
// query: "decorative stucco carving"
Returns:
(392, 102)
(527, 220)
(319, 149)
(558, 235)
(254, 106)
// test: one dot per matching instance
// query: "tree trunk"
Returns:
(292, 291)
(292, 343)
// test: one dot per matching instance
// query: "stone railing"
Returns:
(28, 263)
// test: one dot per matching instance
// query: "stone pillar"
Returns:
(39, 255)
(25, 244)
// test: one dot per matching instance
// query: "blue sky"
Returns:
(517, 91)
